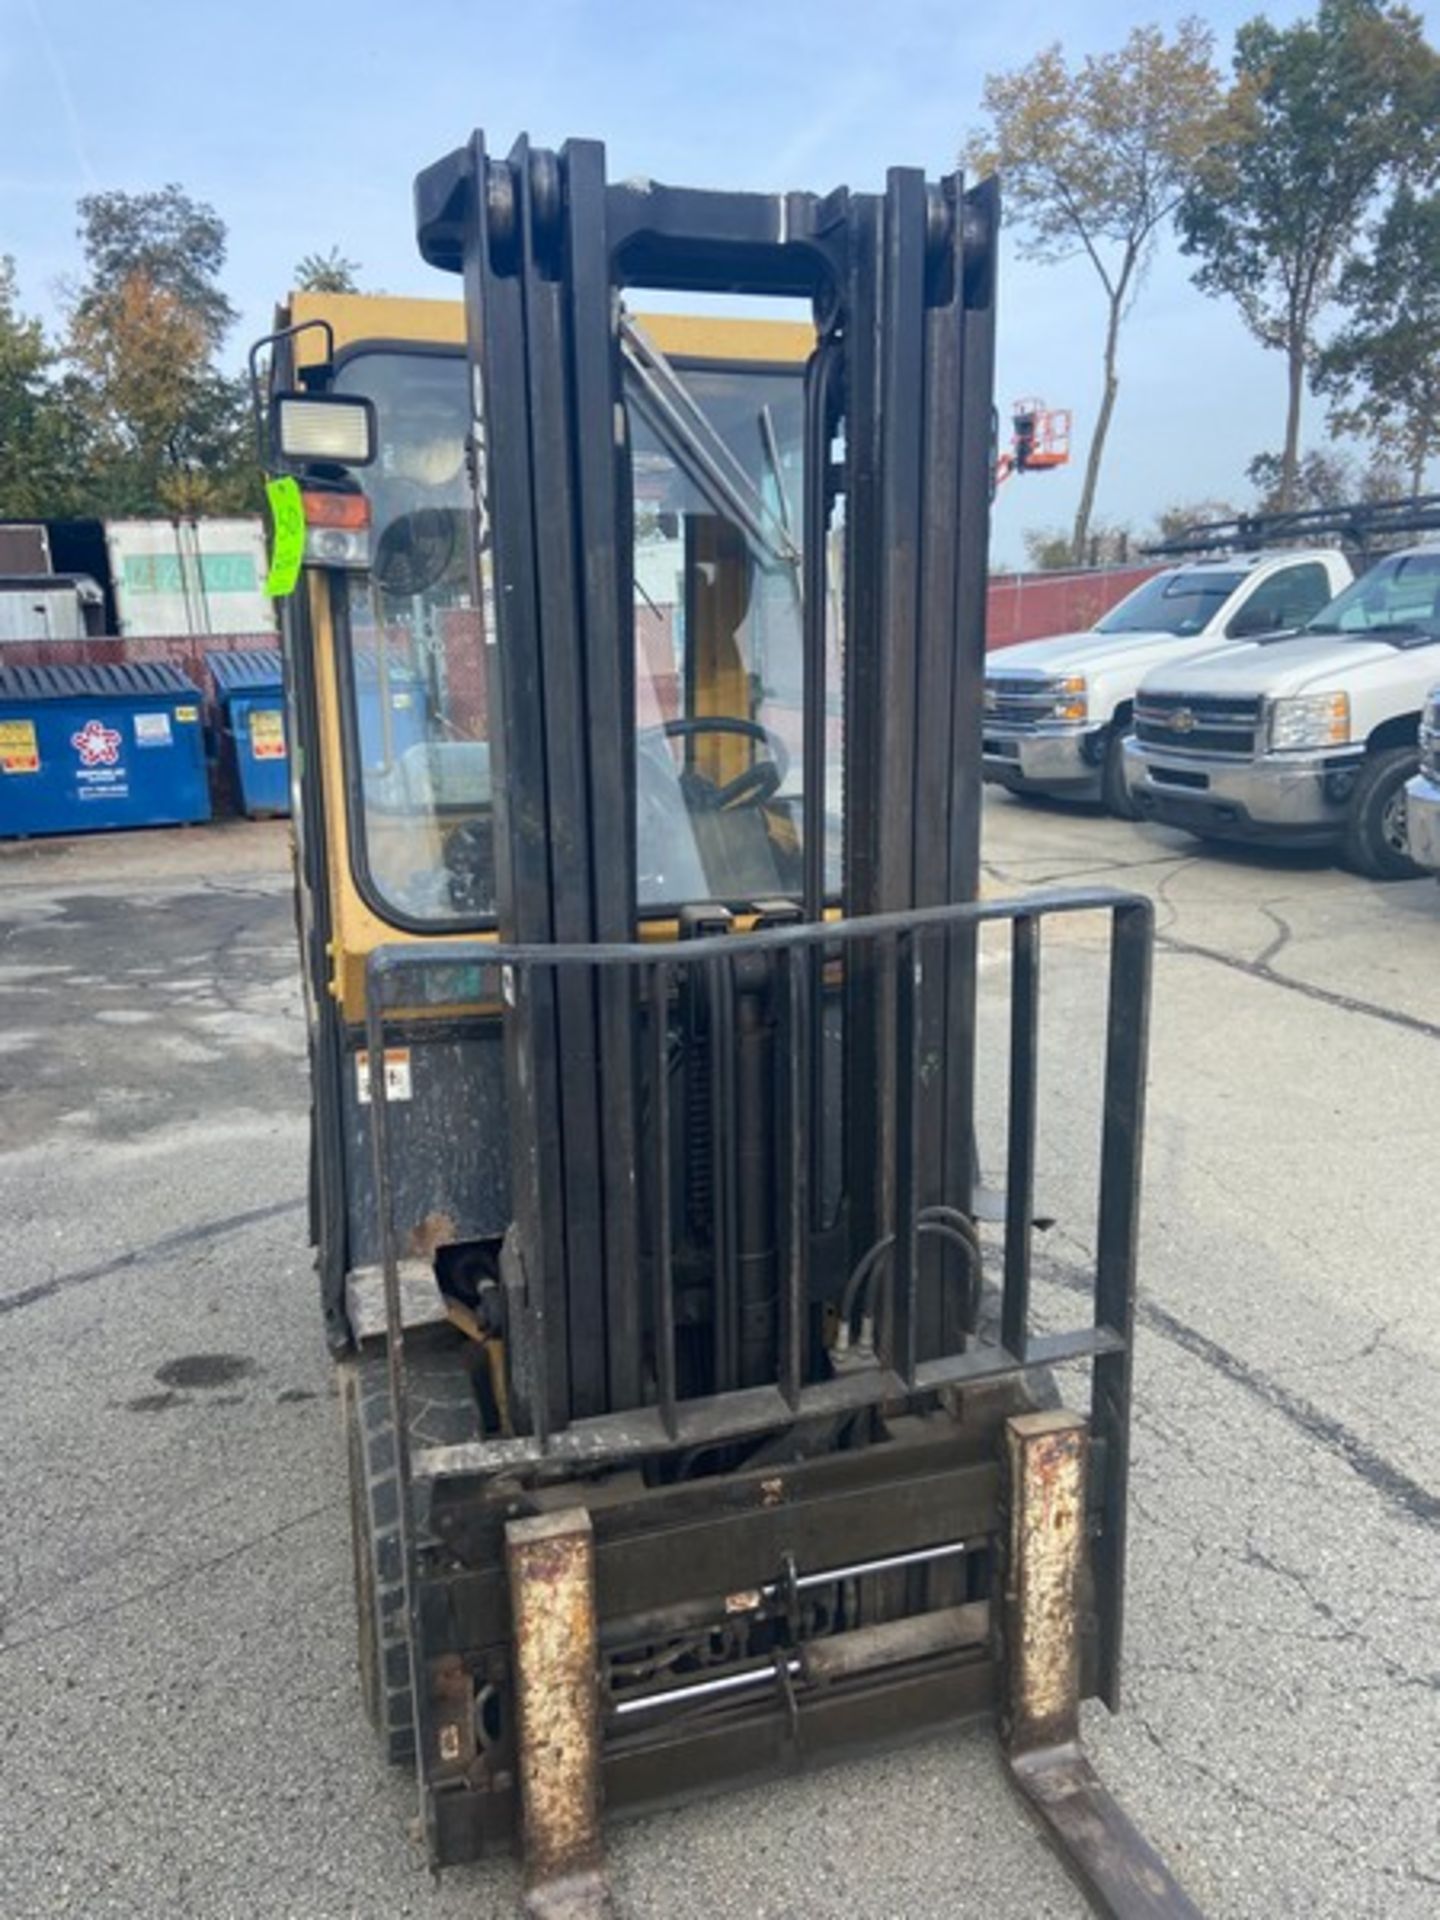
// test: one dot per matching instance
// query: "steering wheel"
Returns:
(752, 788)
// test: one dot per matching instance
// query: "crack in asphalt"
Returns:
(142, 1256)
(1290, 1817)
(1415, 1500)
(175, 1579)
(1327, 996)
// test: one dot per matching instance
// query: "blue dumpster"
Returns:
(84, 749)
(249, 691)
(400, 720)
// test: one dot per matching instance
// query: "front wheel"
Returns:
(1375, 842)
(1113, 788)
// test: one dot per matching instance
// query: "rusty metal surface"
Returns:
(1119, 1871)
(551, 1564)
(1047, 1456)
(1111, 1861)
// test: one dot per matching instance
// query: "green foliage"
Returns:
(165, 238)
(165, 428)
(1382, 370)
(1051, 550)
(1174, 520)
(1321, 116)
(1324, 477)
(1093, 161)
(37, 450)
(327, 273)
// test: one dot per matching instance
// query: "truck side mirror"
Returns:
(1253, 620)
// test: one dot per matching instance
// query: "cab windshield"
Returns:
(1181, 603)
(1400, 596)
(717, 647)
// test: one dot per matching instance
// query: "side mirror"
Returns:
(331, 429)
(1250, 621)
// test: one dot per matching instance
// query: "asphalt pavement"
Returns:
(180, 1728)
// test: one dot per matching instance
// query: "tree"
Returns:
(1173, 521)
(1382, 371)
(1051, 550)
(166, 427)
(1323, 477)
(1321, 116)
(175, 243)
(327, 273)
(37, 471)
(1093, 162)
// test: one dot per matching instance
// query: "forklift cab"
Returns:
(717, 627)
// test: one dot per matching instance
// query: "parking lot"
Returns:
(181, 1730)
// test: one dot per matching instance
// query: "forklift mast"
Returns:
(901, 286)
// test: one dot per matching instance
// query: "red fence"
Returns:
(1031, 606)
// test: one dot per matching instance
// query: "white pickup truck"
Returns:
(1300, 738)
(1422, 794)
(1058, 711)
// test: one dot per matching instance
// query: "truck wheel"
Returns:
(444, 1410)
(1374, 841)
(1113, 790)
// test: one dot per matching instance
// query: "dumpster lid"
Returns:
(365, 662)
(130, 680)
(246, 669)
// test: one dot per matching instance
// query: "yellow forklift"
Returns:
(700, 1421)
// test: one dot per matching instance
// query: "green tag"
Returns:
(287, 517)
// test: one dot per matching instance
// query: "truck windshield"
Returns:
(1400, 595)
(1182, 602)
(717, 647)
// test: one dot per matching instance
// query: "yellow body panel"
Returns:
(680, 336)
(356, 317)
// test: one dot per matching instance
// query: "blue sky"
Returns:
(305, 126)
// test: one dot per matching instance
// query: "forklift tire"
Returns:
(1374, 843)
(443, 1410)
(382, 1641)
(1113, 788)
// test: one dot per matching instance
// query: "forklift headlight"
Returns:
(331, 429)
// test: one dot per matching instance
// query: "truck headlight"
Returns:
(1072, 697)
(1430, 736)
(992, 698)
(1310, 720)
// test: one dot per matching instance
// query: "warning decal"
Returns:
(19, 749)
(152, 729)
(397, 1075)
(267, 733)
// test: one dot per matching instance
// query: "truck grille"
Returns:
(1019, 701)
(1200, 723)
(1430, 751)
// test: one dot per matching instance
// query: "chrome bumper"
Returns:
(1422, 820)
(1056, 756)
(1275, 796)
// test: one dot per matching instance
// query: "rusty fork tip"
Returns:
(574, 1896)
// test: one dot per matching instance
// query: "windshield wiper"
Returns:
(704, 454)
(1399, 633)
